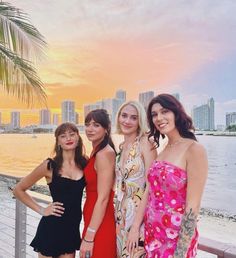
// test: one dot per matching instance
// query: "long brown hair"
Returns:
(183, 122)
(80, 158)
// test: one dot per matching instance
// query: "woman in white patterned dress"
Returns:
(135, 157)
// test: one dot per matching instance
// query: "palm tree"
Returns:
(20, 46)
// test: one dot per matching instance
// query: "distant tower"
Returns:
(91, 107)
(211, 104)
(112, 106)
(15, 119)
(145, 98)
(121, 94)
(204, 116)
(176, 95)
(45, 117)
(68, 111)
(76, 118)
(230, 118)
(55, 119)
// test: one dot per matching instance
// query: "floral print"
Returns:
(165, 209)
(130, 185)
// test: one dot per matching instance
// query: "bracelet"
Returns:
(41, 211)
(91, 230)
(88, 241)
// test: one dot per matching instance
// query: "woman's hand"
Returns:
(54, 209)
(132, 240)
(86, 247)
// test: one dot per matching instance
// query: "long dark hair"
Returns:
(101, 117)
(80, 158)
(183, 122)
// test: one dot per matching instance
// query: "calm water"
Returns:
(20, 153)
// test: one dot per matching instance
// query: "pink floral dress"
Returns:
(165, 209)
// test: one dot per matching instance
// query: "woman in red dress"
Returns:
(99, 235)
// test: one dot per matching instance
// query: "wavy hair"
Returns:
(101, 117)
(183, 122)
(80, 157)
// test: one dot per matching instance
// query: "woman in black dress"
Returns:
(58, 232)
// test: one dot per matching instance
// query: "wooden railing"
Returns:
(22, 215)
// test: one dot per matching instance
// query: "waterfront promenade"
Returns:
(213, 227)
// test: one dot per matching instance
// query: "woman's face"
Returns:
(94, 131)
(163, 119)
(68, 140)
(128, 120)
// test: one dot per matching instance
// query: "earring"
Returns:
(59, 147)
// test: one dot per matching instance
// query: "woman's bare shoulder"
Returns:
(146, 142)
(195, 149)
(107, 151)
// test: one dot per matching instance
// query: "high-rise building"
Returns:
(91, 107)
(145, 98)
(112, 106)
(211, 104)
(45, 117)
(55, 119)
(176, 95)
(121, 94)
(76, 118)
(230, 118)
(15, 119)
(204, 116)
(68, 111)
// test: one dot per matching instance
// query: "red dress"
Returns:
(105, 238)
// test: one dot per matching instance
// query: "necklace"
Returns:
(175, 143)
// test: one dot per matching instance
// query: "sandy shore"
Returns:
(218, 228)
(212, 224)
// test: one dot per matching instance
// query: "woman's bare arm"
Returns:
(20, 191)
(105, 167)
(197, 169)
(149, 155)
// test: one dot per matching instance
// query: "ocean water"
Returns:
(21, 153)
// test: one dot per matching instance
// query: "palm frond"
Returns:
(19, 78)
(21, 44)
(19, 34)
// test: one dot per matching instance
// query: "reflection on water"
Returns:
(20, 153)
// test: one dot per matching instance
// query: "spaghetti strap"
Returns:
(52, 166)
(60, 235)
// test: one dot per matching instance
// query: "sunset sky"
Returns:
(97, 47)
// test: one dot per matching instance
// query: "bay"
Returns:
(21, 153)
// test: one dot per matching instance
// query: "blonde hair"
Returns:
(142, 119)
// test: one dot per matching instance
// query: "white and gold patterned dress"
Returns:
(130, 186)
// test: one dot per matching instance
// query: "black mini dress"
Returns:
(60, 235)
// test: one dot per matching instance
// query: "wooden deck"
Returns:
(18, 223)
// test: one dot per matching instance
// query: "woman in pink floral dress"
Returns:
(176, 182)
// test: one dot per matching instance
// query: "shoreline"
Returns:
(43, 189)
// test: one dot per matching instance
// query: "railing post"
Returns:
(20, 230)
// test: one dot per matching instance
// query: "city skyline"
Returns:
(186, 47)
(203, 116)
(33, 116)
